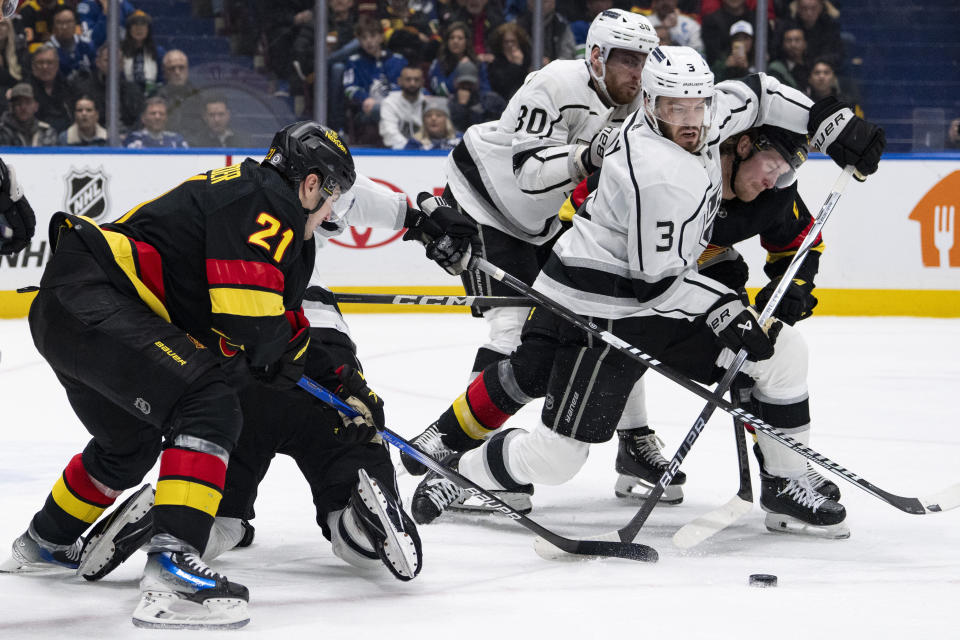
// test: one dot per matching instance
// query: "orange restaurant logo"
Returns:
(939, 223)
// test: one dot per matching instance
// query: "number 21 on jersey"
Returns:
(271, 228)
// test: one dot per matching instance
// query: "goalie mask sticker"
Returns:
(86, 193)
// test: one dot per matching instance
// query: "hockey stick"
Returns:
(698, 530)
(942, 501)
(314, 294)
(604, 548)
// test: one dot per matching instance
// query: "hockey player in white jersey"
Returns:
(512, 175)
(630, 263)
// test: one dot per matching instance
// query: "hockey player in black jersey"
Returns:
(630, 264)
(151, 323)
(348, 469)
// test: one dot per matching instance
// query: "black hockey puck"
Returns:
(763, 580)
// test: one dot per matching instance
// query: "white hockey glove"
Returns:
(587, 158)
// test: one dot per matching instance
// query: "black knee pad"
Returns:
(210, 410)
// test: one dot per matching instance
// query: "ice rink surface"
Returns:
(884, 400)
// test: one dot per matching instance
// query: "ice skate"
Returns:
(30, 553)
(793, 506)
(435, 493)
(429, 442)
(518, 500)
(115, 538)
(641, 464)
(821, 485)
(388, 528)
(179, 591)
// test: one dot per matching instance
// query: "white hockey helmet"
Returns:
(677, 72)
(617, 29)
(9, 7)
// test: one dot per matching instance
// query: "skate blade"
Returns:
(13, 565)
(399, 548)
(634, 488)
(169, 611)
(99, 556)
(780, 523)
(472, 505)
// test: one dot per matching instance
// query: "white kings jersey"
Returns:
(366, 204)
(635, 252)
(514, 173)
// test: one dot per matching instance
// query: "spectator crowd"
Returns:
(403, 74)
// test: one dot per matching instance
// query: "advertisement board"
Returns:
(892, 243)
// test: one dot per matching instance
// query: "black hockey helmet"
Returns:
(309, 147)
(790, 145)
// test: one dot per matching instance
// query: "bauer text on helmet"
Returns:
(624, 32)
(678, 96)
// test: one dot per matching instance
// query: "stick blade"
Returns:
(945, 500)
(606, 546)
(702, 528)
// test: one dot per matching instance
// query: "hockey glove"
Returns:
(587, 158)
(287, 371)
(354, 391)
(17, 220)
(796, 304)
(448, 235)
(846, 138)
(732, 272)
(737, 328)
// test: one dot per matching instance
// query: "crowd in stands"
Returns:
(403, 74)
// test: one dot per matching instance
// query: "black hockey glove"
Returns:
(287, 371)
(17, 220)
(354, 391)
(846, 138)
(796, 304)
(448, 235)
(737, 328)
(732, 274)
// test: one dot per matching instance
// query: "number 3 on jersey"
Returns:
(271, 227)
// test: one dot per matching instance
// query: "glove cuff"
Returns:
(579, 162)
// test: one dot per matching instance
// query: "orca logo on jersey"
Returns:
(86, 193)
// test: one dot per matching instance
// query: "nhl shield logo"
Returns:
(86, 192)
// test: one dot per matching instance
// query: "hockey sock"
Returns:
(74, 503)
(489, 401)
(793, 419)
(189, 490)
(484, 358)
